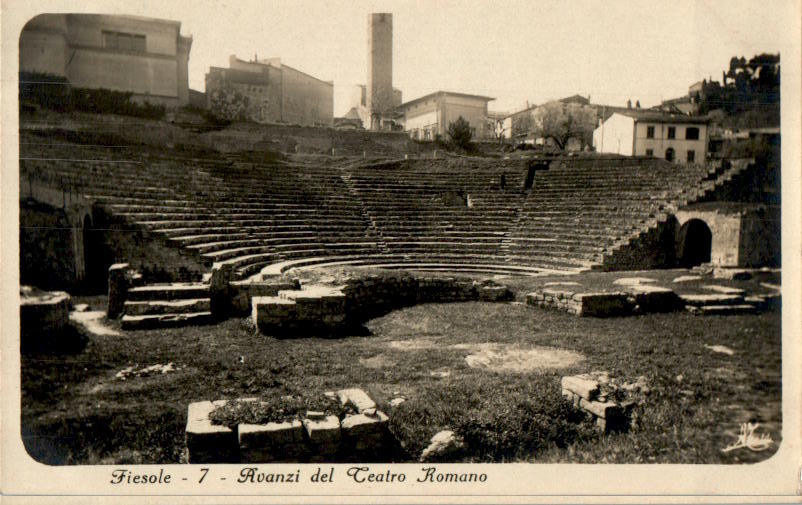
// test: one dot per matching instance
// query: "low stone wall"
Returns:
(633, 299)
(582, 304)
(361, 434)
(335, 308)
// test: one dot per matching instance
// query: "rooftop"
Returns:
(655, 116)
(438, 94)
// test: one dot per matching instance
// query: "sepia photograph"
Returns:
(400, 247)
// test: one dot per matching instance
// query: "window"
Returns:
(672, 132)
(128, 42)
(649, 152)
(691, 156)
(670, 154)
(427, 134)
(691, 133)
(650, 132)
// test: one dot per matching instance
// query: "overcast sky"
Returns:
(515, 51)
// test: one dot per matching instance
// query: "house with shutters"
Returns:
(635, 132)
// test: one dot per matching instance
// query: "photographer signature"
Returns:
(751, 440)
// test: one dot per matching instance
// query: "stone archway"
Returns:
(694, 243)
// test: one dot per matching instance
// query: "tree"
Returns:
(562, 122)
(460, 133)
(522, 124)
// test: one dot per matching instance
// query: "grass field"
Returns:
(76, 411)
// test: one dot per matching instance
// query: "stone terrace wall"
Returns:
(651, 250)
(334, 308)
(150, 255)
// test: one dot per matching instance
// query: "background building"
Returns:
(147, 57)
(428, 116)
(267, 91)
(358, 107)
(673, 137)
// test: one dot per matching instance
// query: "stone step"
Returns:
(174, 291)
(725, 310)
(143, 322)
(151, 307)
(707, 300)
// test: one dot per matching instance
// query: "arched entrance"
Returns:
(670, 154)
(94, 272)
(694, 243)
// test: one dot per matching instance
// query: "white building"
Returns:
(673, 137)
(428, 116)
(147, 57)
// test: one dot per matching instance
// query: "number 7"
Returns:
(205, 471)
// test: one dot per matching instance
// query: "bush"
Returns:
(45, 90)
(493, 427)
(276, 409)
(460, 134)
(55, 93)
(503, 432)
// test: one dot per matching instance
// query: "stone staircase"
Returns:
(374, 230)
(167, 305)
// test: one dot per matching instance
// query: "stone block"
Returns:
(44, 313)
(118, 289)
(271, 442)
(655, 298)
(356, 398)
(603, 304)
(360, 425)
(271, 312)
(207, 442)
(323, 433)
(606, 410)
(584, 387)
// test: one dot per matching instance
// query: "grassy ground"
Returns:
(75, 411)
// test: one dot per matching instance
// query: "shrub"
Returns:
(55, 93)
(460, 134)
(497, 432)
(275, 409)
(45, 90)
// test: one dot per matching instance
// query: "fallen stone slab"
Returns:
(584, 387)
(356, 398)
(207, 442)
(723, 289)
(722, 349)
(633, 281)
(442, 446)
(165, 320)
(700, 300)
(728, 309)
(687, 278)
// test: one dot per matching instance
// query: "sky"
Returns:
(514, 51)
